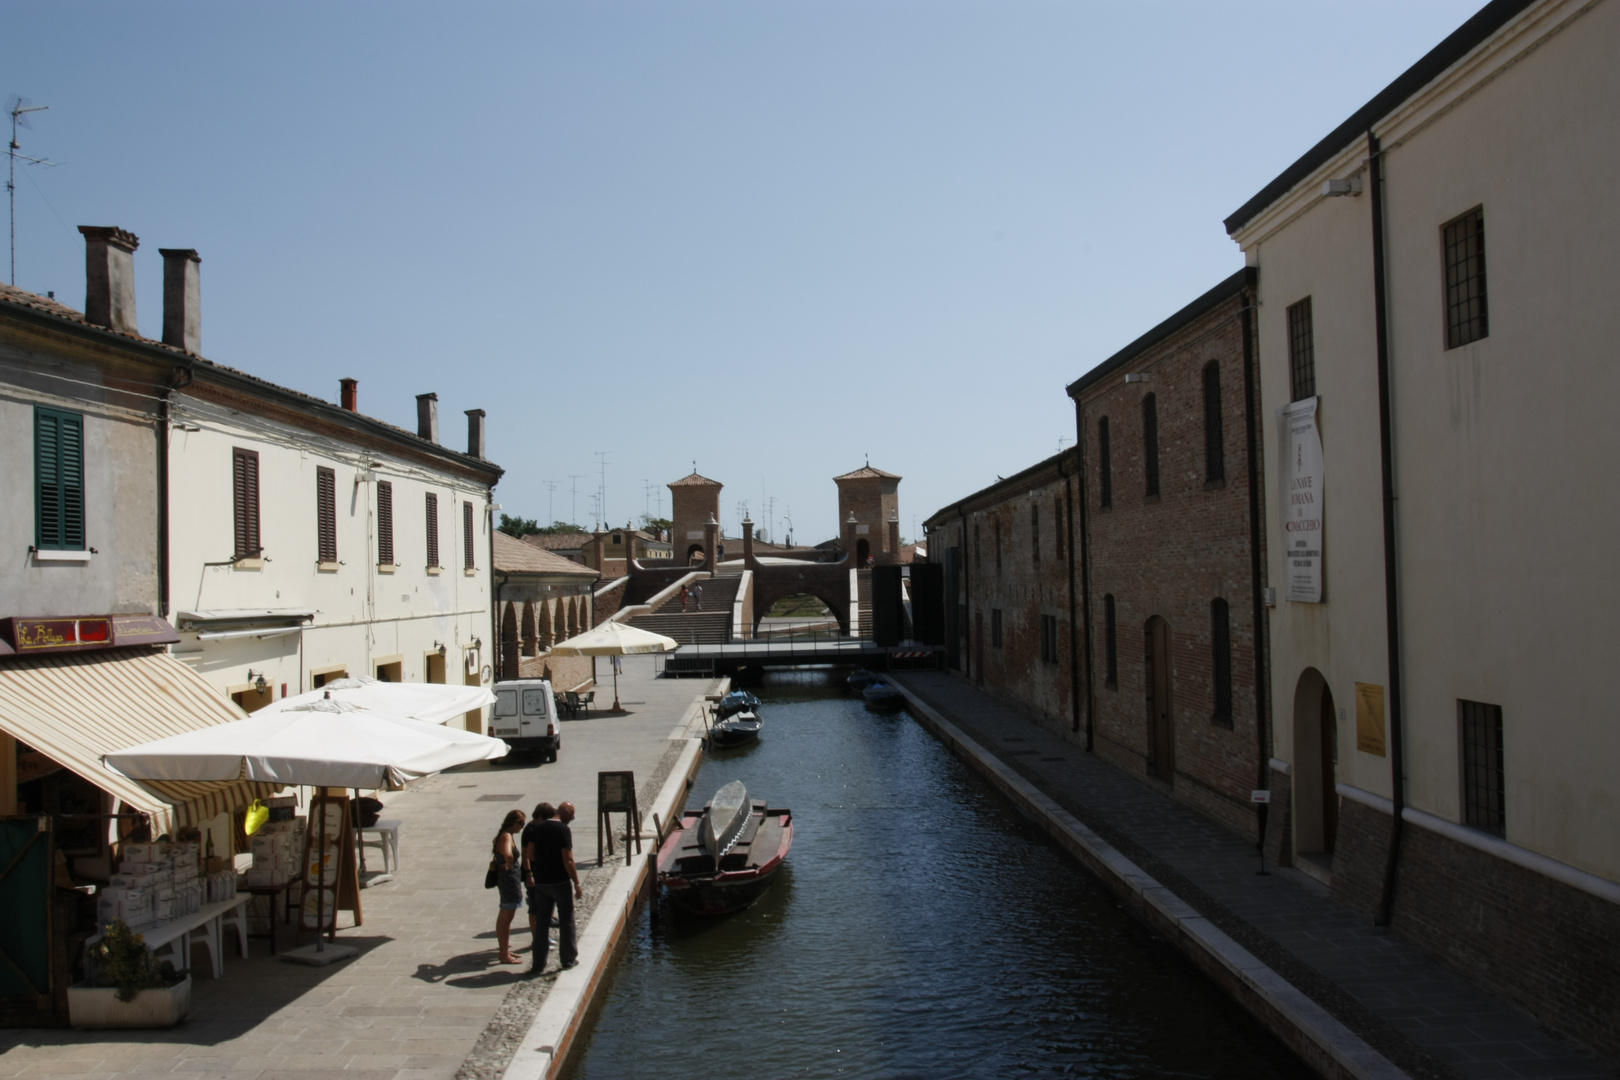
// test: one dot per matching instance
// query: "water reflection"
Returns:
(921, 928)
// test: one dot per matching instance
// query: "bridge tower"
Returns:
(694, 501)
(873, 497)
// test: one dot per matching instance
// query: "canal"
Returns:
(921, 928)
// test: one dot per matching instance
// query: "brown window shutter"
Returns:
(385, 523)
(432, 529)
(467, 535)
(245, 502)
(326, 513)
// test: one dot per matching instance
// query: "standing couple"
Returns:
(541, 862)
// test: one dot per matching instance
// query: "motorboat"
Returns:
(736, 702)
(723, 858)
(880, 695)
(860, 680)
(736, 729)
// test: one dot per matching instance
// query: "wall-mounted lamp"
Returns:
(258, 681)
(1350, 185)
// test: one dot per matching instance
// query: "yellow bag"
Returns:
(257, 815)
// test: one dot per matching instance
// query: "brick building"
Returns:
(694, 503)
(1170, 545)
(869, 512)
(1012, 592)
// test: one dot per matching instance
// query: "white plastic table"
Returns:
(205, 927)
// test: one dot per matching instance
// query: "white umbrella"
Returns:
(614, 639)
(327, 743)
(432, 703)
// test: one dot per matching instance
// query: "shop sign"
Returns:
(82, 633)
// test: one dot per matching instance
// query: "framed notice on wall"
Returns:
(1300, 501)
(330, 879)
(1370, 718)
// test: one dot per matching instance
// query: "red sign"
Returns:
(80, 633)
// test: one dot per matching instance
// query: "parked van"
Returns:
(525, 715)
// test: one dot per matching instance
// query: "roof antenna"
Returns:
(18, 108)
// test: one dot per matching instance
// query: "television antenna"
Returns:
(18, 109)
(573, 490)
(551, 495)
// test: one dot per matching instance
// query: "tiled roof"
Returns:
(696, 481)
(866, 472)
(33, 301)
(515, 557)
(558, 541)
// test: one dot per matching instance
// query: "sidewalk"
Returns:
(425, 998)
(1329, 983)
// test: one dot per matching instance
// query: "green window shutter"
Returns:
(59, 480)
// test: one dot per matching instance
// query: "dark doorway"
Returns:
(694, 553)
(1330, 760)
(978, 648)
(863, 551)
(1161, 732)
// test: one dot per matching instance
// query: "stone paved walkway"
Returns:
(1422, 1017)
(421, 997)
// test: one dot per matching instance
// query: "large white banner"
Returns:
(1301, 500)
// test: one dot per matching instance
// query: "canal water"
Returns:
(920, 928)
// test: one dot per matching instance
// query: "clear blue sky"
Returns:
(769, 236)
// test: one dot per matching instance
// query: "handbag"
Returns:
(256, 816)
(491, 874)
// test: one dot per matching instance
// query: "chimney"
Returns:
(427, 416)
(349, 392)
(109, 272)
(182, 299)
(475, 433)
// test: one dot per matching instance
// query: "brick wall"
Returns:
(609, 602)
(1169, 555)
(871, 500)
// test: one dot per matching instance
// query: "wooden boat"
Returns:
(724, 858)
(736, 702)
(736, 729)
(881, 695)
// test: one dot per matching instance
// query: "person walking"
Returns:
(697, 596)
(509, 880)
(685, 595)
(548, 869)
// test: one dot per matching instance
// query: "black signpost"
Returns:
(616, 794)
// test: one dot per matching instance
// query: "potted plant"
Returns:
(126, 988)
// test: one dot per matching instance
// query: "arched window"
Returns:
(1220, 639)
(1214, 448)
(1105, 464)
(1150, 442)
(1110, 642)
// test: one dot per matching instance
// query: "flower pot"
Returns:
(99, 1007)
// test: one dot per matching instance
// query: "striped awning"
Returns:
(76, 707)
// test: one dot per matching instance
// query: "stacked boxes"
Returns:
(155, 883)
(277, 847)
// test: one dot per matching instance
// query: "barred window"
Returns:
(1483, 787)
(995, 627)
(1035, 531)
(1057, 522)
(1220, 638)
(326, 515)
(1105, 464)
(1301, 351)
(1214, 446)
(1465, 278)
(1150, 442)
(1049, 639)
(996, 528)
(1110, 643)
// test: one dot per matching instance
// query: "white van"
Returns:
(525, 715)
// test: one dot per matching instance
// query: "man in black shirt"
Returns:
(548, 870)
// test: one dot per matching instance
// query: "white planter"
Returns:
(99, 1007)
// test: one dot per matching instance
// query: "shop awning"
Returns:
(76, 708)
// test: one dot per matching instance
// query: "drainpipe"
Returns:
(1262, 712)
(1074, 639)
(1085, 572)
(188, 377)
(1392, 609)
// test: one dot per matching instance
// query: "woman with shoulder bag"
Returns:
(506, 873)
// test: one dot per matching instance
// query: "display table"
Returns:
(387, 831)
(270, 892)
(205, 927)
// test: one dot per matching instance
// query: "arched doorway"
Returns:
(863, 550)
(1316, 756)
(1161, 722)
(694, 554)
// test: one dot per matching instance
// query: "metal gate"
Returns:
(25, 896)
